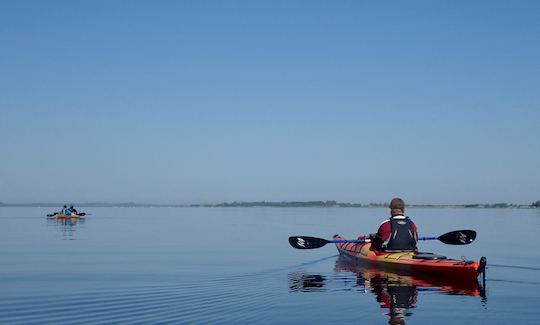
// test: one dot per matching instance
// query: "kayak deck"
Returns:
(411, 261)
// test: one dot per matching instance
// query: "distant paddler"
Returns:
(66, 212)
(71, 211)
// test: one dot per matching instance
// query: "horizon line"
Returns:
(314, 203)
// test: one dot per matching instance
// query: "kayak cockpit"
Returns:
(428, 256)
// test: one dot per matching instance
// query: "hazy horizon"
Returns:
(128, 203)
(201, 102)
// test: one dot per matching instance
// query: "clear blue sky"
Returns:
(211, 101)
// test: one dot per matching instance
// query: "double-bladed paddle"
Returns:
(457, 237)
(74, 215)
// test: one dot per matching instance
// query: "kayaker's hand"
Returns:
(372, 236)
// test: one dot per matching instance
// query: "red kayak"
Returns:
(378, 276)
(413, 262)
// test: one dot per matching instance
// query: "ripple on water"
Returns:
(208, 301)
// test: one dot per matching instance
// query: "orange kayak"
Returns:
(459, 286)
(413, 262)
(65, 216)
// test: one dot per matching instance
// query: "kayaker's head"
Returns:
(397, 207)
(65, 206)
(71, 206)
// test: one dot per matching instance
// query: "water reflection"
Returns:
(67, 226)
(396, 292)
(306, 282)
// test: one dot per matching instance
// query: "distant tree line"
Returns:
(335, 204)
(291, 204)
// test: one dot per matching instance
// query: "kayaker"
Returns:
(398, 233)
(73, 210)
(63, 211)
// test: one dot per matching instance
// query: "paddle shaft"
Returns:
(458, 237)
(428, 238)
(369, 240)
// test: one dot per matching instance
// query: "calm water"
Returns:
(230, 265)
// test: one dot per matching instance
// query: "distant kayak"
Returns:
(65, 216)
(412, 261)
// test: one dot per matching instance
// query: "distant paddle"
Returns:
(457, 237)
(82, 214)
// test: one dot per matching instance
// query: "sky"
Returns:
(178, 102)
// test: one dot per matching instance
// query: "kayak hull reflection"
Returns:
(449, 285)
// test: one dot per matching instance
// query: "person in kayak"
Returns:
(398, 233)
(73, 210)
(70, 211)
(63, 211)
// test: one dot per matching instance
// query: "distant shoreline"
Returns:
(268, 204)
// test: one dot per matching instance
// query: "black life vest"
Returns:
(402, 237)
